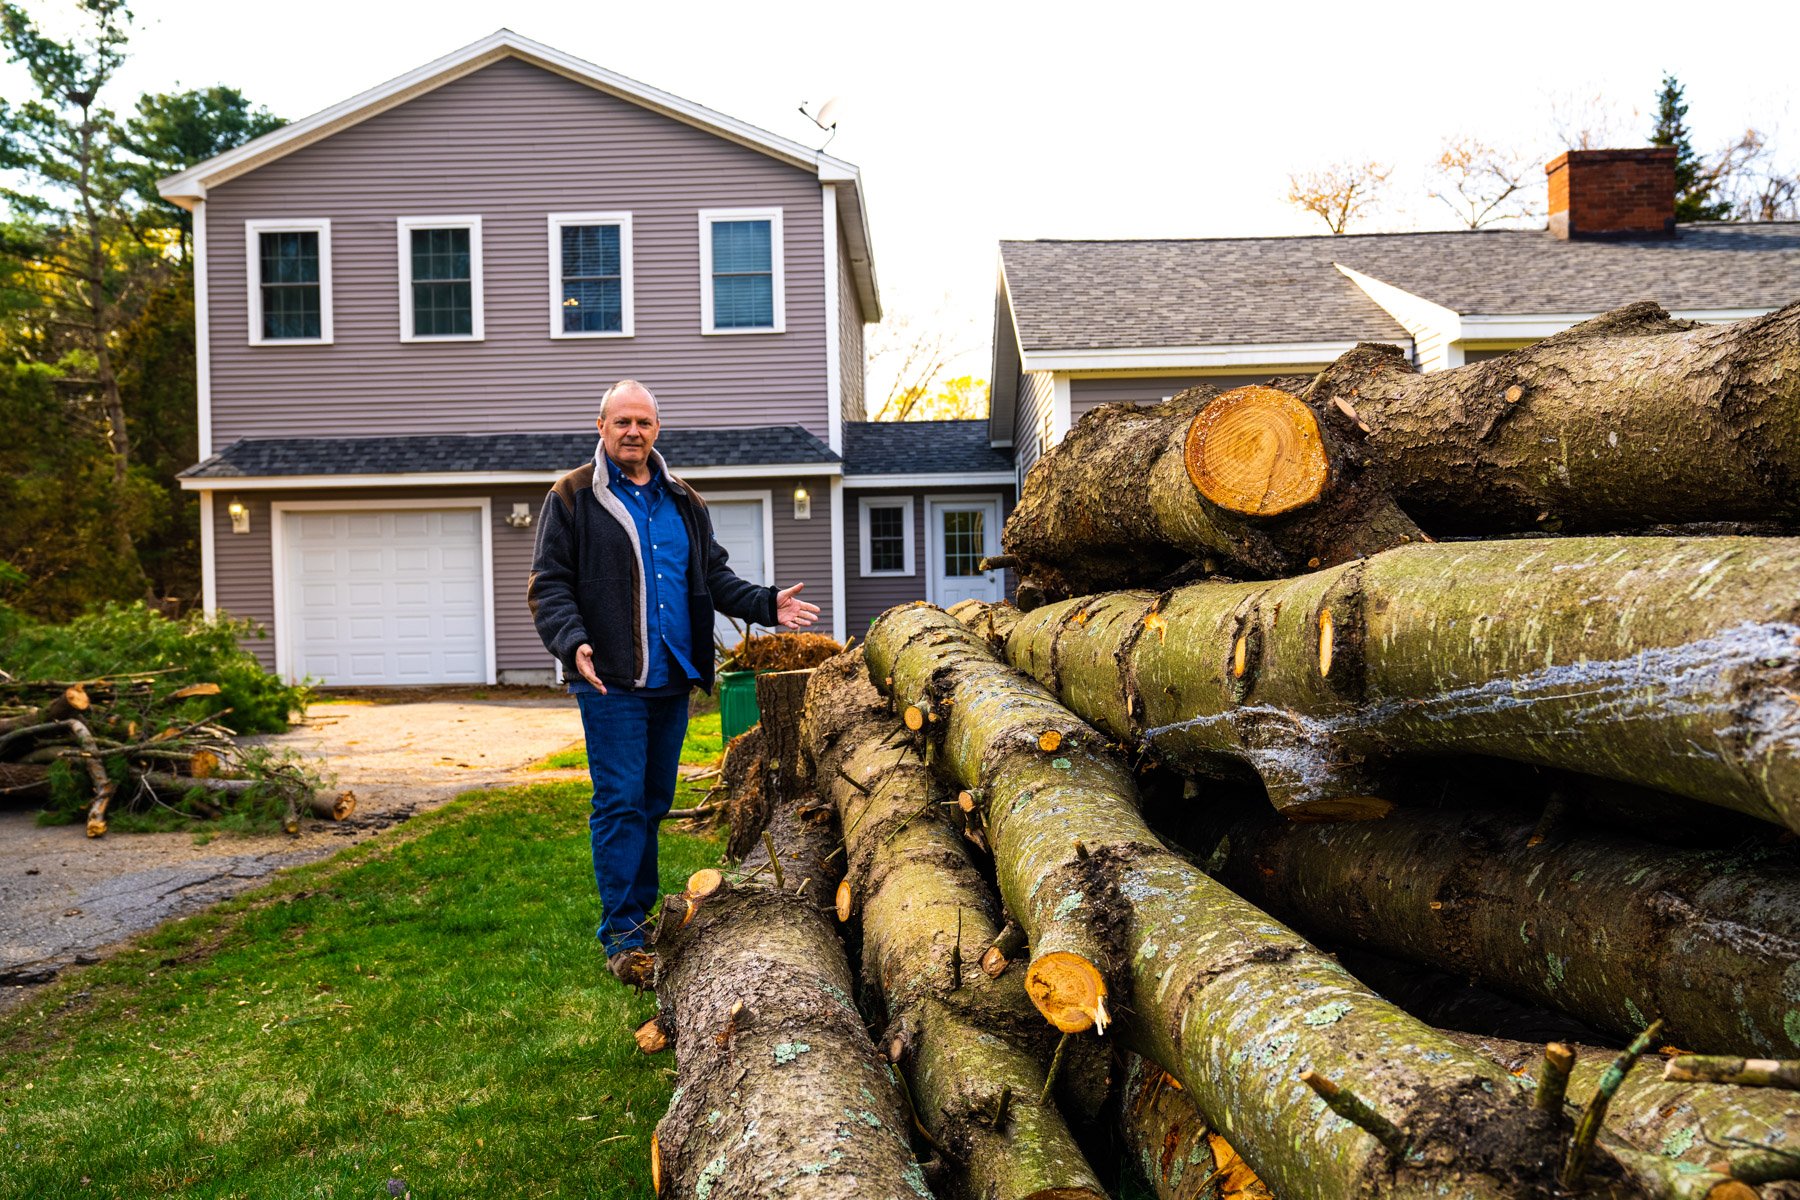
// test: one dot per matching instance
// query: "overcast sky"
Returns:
(975, 121)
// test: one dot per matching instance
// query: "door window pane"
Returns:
(743, 275)
(887, 538)
(442, 288)
(290, 284)
(592, 284)
(963, 541)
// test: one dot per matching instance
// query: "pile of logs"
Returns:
(127, 742)
(1340, 736)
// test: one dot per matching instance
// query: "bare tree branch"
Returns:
(1341, 193)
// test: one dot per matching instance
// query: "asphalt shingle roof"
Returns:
(437, 453)
(1226, 291)
(920, 447)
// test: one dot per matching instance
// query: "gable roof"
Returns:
(1234, 291)
(922, 448)
(190, 186)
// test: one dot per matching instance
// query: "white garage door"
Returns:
(738, 526)
(384, 596)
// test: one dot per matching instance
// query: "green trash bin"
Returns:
(737, 702)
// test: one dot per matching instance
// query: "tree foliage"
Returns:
(963, 398)
(97, 369)
(1341, 194)
(1697, 183)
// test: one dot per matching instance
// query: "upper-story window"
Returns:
(741, 271)
(440, 279)
(289, 284)
(590, 275)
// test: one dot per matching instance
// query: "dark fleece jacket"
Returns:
(587, 579)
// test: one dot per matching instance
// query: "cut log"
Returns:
(1167, 1137)
(1232, 1004)
(1673, 663)
(1613, 931)
(1251, 479)
(24, 780)
(1699, 1124)
(970, 1046)
(1740, 1072)
(780, 697)
(780, 1092)
(1628, 420)
(72, 703)
(746, 796)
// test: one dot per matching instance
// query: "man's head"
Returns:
(628, 423)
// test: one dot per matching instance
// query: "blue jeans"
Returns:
(633, 749)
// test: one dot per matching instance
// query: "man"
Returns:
(623, 588)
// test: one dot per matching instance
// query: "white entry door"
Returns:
(384, 596)
(740, 526)
(958, 535)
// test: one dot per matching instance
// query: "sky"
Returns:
(977, 121)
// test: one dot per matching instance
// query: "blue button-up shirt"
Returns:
(663, 539)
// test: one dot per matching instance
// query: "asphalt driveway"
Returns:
(65, 898)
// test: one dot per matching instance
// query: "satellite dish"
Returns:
(827, 117)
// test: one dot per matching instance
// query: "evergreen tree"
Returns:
(1696, 185)
(174, 130)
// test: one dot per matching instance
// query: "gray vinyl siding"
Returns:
(868, 596)
(1086, 394)
(850, 341)
(513, 143)
(1036, 396)
(244, 579)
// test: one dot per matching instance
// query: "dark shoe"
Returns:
(633, 968)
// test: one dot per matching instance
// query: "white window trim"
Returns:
(777, 263)
(863, 505)
(933, 551)
(284, 658)
(403, 228)
(623, 221)
(253, 231)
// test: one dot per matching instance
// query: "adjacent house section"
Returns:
(1228, 311)
(409, 305)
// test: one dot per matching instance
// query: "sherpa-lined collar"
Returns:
(605, 467)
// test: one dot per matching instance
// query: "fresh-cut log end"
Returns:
(1069, 990)
(655, 1166)
(845, 902)
(1257, 451)
(652, 1036)
(704, 882)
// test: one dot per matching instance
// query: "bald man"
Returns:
(624, 584)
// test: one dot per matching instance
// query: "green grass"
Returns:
(430, 1006)
(703, 744)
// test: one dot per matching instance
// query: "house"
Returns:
(409, 304)
(1078, 324)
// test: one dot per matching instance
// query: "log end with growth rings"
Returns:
(1069, 990)
(1257, 451)
(846, 900)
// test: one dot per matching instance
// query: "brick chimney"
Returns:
(1613, 193)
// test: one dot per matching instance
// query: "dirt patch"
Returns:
(66, 899)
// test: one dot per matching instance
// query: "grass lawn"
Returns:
(703, 745)
(426, 1013)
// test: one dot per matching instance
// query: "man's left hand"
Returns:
(792, 611)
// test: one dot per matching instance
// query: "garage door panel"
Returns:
(397, 596)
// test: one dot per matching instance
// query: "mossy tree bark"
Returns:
(1699, 1124)
(1235, 1006)
(1628, 420)
(780, 1091)
(1252, 480)
(971, 1046)
(1613, 931)
(1673, 663)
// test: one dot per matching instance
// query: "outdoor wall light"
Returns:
(520, 518)
(802, 503)
(240, 516)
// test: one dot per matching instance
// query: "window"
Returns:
(964, 539)
(440, 279)
(590, 275)
(887, 535)
(741, 271)
(288, 264)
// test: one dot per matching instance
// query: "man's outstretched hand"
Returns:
(584, 662)
(792, 611)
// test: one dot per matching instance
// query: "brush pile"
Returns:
(1339, 737)
(780, 652)
(142, 742)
